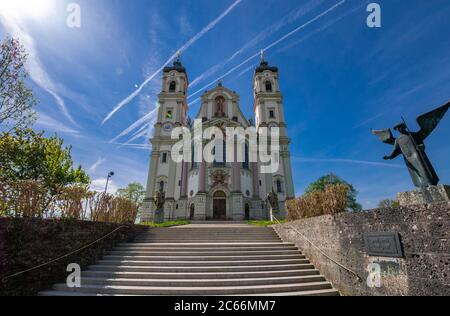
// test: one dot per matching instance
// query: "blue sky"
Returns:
(339, 78)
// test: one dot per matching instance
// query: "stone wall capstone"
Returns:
(424, 233)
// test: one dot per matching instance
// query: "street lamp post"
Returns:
(110, 174)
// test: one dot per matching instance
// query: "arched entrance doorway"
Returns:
(247, 212)
(192, 212)
(220, 206)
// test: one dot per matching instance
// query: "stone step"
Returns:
(212, 230)
(211, 227)
(226, 233)
(175, 248)
(198, 275)
(184, 240)
(67, 293)
(202, 263)
(204, 258)
(194, 283)
(203, 240)
(325, 292)
(182, 252)
(187, 234)
(209, 245)
(199, 269)
(208, 231)
(201, 247)
(220, 290)
(146, 236)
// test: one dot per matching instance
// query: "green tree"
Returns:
(16, 100)
(27, 155)
(330, 179)
(133, 191)
(388, 203)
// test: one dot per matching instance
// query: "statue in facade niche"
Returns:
(272, 203)
(159, 200)
(220, 106)
(411, 146)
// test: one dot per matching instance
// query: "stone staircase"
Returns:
(202, 259)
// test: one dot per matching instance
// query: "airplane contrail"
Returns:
(287, 19)
(246, 61)
(340, 160)
(180, 50)
(136, 124)
(322, 28)
(284, 37)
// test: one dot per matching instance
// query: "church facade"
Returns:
(220, 190)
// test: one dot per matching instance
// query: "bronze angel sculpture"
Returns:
(411, 145)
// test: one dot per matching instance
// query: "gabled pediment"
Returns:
(220, 91)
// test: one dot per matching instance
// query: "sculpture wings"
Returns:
(385, 136)
(430, 120)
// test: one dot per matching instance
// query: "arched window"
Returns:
(224, 155)
(173, 86)
(245, 164)
(268, 86)
(279, 186)
(194, 163)
(161, 186)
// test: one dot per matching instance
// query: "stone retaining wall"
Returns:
(425, 236)
(26, 243)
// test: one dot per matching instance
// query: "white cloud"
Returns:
(302, 10)
(184, 24)
(98, 185)
(348, 161)
(183, 48)
(143, 120)
(94, 167)
(51, 124)
(278, 41)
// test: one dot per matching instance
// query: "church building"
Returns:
(219, 190)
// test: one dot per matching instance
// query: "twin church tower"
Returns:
(218, 190)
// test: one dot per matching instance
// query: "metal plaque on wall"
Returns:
(383, 245)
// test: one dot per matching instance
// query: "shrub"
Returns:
(332, 200)
(30, 199)
(332, 179)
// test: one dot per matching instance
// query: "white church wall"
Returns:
(163, 168)
(177, 182)
(193, 183)
(247, 184)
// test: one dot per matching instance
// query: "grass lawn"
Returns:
(166, 224)
(263, 223)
